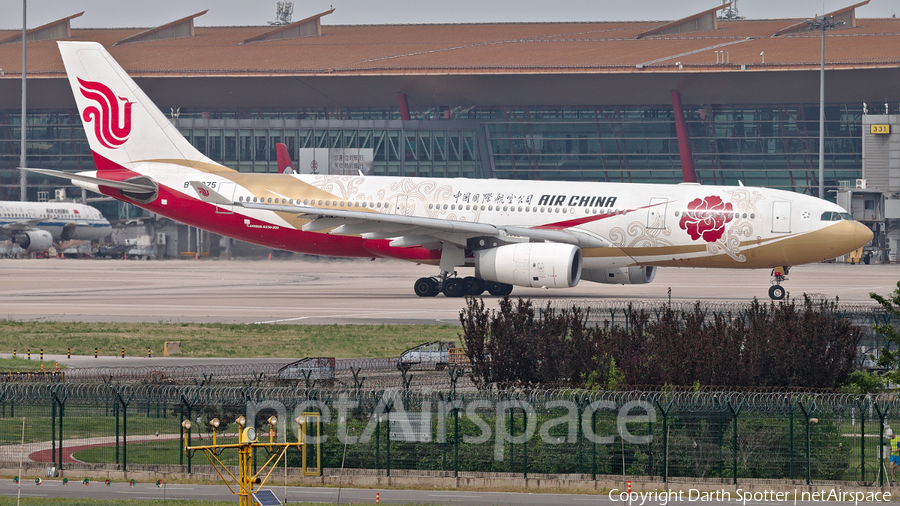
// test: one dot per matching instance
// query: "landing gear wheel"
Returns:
(776, 292)
(474, 286)
(426, 287)
(454, 287)
(498, 289)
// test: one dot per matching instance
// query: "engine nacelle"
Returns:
(634, 275)
(538, 265)
(35, 240)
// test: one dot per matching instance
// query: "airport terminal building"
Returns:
(594, 101)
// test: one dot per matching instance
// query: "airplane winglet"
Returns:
(207, 194)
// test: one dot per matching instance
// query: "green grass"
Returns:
(40, 501)
(43, 501)
(219, 340)
(79, 422)
(163, 452)
(21, 364)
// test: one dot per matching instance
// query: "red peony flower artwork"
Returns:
(706, 218)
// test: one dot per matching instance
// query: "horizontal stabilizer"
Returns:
(136, 187)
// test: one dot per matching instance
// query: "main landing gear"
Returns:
(452, 286)
(776, 291)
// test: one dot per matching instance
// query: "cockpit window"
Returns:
(833, 216)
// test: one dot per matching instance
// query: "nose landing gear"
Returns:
(776, 291)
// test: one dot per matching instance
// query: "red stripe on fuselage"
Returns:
(200, 214)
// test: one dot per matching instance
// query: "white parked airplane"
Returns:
(526, 233)
(35, 226)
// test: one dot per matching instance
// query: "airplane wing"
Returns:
(404, 230)
(19, 226)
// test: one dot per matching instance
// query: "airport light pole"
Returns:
(24, 121)
(822, 23)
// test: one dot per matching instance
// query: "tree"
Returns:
(514, 346)
(889, 359)
(795, 343)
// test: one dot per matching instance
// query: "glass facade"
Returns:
(774, 146)
(765, 145)
(432, 149)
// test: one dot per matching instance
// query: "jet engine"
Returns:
(634, 275)
(539, 265)
(35, 240)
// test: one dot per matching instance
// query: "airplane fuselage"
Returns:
(63, 220)
(618, 224)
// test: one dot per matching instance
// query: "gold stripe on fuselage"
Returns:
(209, 168)
(794, 249)
(265, 185)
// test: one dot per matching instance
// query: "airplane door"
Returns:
(226, 189)
(400, 204)
(656, 213)
(781, 217)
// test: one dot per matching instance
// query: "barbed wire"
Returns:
(683, 401)
(158, 374)
(224, 372)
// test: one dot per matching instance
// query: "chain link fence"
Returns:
(666, 434)
(383, 417)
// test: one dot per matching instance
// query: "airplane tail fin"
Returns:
(285, 166)
(123, 126)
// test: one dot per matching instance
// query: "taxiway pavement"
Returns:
(326, 291)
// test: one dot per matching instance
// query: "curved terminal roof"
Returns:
(497, 64)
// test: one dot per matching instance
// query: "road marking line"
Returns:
(278, 321)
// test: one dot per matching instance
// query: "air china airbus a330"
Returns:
(525, 233)
(35, 226)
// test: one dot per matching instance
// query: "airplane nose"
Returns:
(862, 235)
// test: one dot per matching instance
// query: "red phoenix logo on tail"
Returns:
(112, 121)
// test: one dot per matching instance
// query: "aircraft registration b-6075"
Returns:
(524, 233)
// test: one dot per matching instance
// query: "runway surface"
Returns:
(311, 291)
